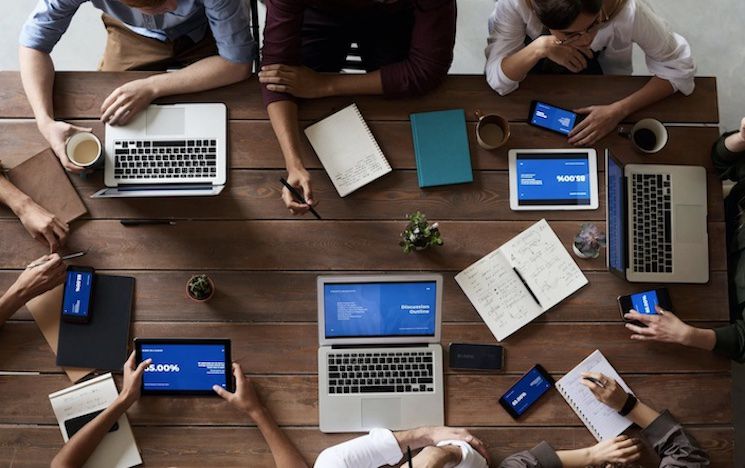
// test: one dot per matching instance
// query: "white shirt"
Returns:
(668, 55)
(380, 448)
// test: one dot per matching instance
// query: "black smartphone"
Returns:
(476, 356)
(644, 302)
(73, 425)
(552, 118)
(77, 299)
(526, 391)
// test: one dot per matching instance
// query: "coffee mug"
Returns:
(647, 135)
(492, 130)
(83, 149)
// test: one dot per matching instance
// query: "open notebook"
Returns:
(599, 418)
(519, 281)
(348, 150)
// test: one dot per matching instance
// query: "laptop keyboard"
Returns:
(396, 372)
(165, 159)
(652, 223)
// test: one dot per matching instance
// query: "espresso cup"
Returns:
(647, 135)
(492, 130)
(83, 149)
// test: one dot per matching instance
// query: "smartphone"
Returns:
(552, 118)
(75, 424)
(644, 302)
(526, 391)
(77, 299)
(476, 356)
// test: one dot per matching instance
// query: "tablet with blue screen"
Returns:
(184, 366)
(560, 179)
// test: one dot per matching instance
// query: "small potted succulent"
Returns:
(589, 241)
(419, 234)
(200, 288)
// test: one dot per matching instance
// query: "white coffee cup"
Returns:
(83, 149)
(647, 135)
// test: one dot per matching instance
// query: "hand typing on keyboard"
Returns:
(127, 101)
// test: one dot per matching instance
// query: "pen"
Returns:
(408, 454)
(297, 196)
(66, 257)
(527, 287)
(146, 222)
(595, 381)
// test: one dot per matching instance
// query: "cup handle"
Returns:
(624, 132)
(478, 114)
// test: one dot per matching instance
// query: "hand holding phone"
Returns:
(645, 303)
(552, 118)
(77, 298)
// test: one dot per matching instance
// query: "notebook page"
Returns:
(599, 418)
(539, 256)
(498, 295)
(347, 150)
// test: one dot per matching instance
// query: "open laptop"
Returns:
(380, 359)
(169, 150)
(657, 229)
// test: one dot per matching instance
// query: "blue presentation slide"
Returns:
(184, 366)
(553, 118)
(77, 293)
(380, 309)
(526, 391)
(546, 179)
(645, 302)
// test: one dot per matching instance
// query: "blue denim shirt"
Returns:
(228, 19)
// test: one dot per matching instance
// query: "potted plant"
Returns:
(419, 234)
(589, 241)
(200, 288)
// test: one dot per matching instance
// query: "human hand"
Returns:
(300, 179)
(610, 393)
(435, 434)
(568, 56)
(56, 132)
(665, 327)
(126, 101)
(299, 81)
(245, 397)
(132, 379)
(39, 279)
(43, 225)
(621, 449)
(600, 121)
(742, 130)
(436, 457)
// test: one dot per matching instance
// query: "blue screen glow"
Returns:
(616, 213)
(526, 391)
(553, 179)
(645, 302)
(77, 293)
(553, 118)
(184, 366)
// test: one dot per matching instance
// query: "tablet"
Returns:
(184, 366)
(553, 179)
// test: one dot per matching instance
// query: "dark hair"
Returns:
(560, 14)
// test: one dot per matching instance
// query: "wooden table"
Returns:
(265, 263)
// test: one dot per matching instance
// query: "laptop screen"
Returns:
(616, 213)
(354, 310)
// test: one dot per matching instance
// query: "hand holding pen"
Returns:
(298, 198)
(46, 273)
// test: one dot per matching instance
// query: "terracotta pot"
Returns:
(212, 290)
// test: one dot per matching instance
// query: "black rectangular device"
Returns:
(476, 356)
(184, 366)
(77, 298)
(73, 425)
(526, 391)
(552, 118)
(644, 302)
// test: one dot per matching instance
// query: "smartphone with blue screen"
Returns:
(552, 118)
(77, 298)
(526, 391)
(644, 302)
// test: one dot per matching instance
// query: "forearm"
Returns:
(354, 84)
(283, 450)
(577, 458)
(37, 75)
(414, 439)
(78, 449)
(283, 115)
(702, 338)
(11, 197)
(10, 302)
(517, 65)
(655, 90)
(735, 143)
(208, 73)
(642, 415)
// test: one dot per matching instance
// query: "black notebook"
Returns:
(102, 342)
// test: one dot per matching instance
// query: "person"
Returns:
(305, 46)
(587, 36)
(675, 447)
(728, 154)
(32, 282)
(39, 223)
(210, 39)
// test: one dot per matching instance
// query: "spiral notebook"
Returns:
(600, 419)
(348, 150)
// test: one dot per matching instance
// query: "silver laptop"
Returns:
(380, 359)
(171, 150)
(657, 229)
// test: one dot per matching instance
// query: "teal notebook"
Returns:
(441, 148)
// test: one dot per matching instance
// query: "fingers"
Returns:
(295, 207)
(634, 315)
(110, 99)
(130, 363)
(644, 331)
(276, 66)
(48, 235)
(120, 114)
(222, 392)
(278, 88)
(580, 126)
(81, 129)
(108, 113)
(307, 192)
(240, 379)
(141, 368)
(479, 446)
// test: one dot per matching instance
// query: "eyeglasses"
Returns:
(601, 19)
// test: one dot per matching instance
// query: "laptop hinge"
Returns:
(625, 245)
(398, 345)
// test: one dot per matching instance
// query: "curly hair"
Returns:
(560, 14)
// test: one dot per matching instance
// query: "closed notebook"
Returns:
(101, 343)
(441, 148)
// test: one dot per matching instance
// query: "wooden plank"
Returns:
(252, 297)
(80, 94)
(277, 245)
(288, 348)
(294, 402)
(28, 446)
(253, 145)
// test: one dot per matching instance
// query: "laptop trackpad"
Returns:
(381, 412)
(690, 224)
(166, 121)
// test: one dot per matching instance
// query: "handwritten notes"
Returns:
(496, 290)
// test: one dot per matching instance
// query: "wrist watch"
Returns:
(629, 405)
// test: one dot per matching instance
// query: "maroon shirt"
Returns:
(430, 50)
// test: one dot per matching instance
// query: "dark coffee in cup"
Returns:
(645, 139)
